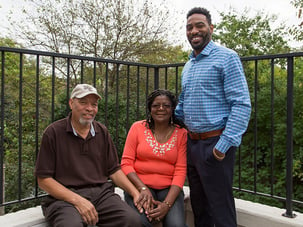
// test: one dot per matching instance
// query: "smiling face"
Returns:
(198, 32)
(161, 109)
(84, 109)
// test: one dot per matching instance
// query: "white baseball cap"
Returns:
(82, 90)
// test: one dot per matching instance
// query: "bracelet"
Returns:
(219, 158)
(167, 203)
(140, 189)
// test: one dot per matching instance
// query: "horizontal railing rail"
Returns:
(35, 87)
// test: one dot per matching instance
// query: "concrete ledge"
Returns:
(249, 214)
(29, 217)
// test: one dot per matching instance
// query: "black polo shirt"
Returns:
(74, 161)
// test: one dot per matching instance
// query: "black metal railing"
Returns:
(35, 88)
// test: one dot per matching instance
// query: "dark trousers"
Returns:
(210, 183)
(111, 209)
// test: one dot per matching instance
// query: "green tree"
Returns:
(27, 97)
(114, 29)
(250, 36)
(127, 30)
(297, 31)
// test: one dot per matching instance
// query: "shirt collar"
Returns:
(92, 130)
(206, 51)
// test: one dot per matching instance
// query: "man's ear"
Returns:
(70, 102)
(211, 27)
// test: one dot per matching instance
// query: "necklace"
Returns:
(160, 149)
(165, 138)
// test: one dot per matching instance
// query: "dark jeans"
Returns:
(111, 209)
(174, 218)
(210, 183)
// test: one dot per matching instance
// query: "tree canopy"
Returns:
(250, 35)
(297, 31)
(114, 29)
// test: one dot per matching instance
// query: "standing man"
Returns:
(76, 158)
(215, 106)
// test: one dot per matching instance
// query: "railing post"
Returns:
(2, 130)
(289, 145)
(156, 77)
(2, 208)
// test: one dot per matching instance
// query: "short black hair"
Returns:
(200, 10)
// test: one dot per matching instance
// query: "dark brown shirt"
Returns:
(74, 161)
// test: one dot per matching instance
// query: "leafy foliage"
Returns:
(114, 29)
(297, 31)
(250, 36)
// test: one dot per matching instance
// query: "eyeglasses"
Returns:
(164, 106)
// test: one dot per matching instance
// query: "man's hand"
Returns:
(87, 211)
(218, 155)
(145, 200)
(60, 192)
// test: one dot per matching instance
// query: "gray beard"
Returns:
(85, 122)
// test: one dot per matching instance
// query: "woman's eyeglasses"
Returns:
(164, 106)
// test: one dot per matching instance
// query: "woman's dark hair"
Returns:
(174, 102)
(200, 10)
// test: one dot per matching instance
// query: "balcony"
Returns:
(35, 87)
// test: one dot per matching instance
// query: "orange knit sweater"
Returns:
(157, 165)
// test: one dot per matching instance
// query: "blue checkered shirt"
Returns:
(215, 95)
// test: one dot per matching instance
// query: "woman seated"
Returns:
(154, 159)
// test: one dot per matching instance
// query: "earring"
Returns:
(149, 118)
(171, 120)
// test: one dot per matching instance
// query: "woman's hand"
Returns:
(159, 212)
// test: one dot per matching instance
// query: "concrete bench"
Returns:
(249, 214)
(33, 217)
